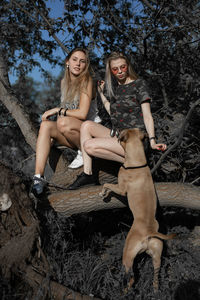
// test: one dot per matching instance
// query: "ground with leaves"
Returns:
(85, 252)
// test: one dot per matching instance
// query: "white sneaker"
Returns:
(77, 162)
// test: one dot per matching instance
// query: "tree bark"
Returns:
(88, 199)
(11, 102)
(16, 109)
(20, 253)
(53, 289)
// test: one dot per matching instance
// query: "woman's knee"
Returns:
(45, 126)
(89, 147)
(87, 126)
(63, 125)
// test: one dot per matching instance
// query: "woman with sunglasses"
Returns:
(128, 106)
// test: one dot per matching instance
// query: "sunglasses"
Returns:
(122, 68)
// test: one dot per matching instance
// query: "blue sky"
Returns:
(57, 9)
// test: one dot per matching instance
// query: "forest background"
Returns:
(161, 38)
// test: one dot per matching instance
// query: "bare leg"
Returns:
(96, 141)
(48, 130)
(70, 128)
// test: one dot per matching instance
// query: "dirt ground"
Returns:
(84, 252)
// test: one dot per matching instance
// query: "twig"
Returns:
(49, 27)
(181, 131)
(58, 291)
(195, 180)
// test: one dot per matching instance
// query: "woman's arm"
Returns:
(79, 113)
(149, 124)
(84, 105)
(49, 113)
(104, 100)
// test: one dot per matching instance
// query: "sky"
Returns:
(57, 9)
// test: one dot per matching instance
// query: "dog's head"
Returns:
(133, 134)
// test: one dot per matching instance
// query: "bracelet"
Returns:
(152, 138)
(65, 112)
(59, 112)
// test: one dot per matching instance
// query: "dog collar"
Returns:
(138, 167)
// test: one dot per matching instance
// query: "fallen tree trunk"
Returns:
(51, 288)
(20, 251)
(88, 199)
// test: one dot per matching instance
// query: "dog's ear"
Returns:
(123, 136)
(143, 135)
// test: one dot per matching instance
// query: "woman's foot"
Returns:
(83, 180)
(77, 162)
(39, 183)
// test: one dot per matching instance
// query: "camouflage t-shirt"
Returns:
(125, 108)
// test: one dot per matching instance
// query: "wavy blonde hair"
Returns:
(108, 75)
(71, 90)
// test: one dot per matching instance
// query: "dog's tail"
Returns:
(162, 236)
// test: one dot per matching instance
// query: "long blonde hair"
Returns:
(108, 75)
(71, 90)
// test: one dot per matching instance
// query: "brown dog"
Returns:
(135, 181)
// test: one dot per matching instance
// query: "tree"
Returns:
(163, 43)
(161, 38)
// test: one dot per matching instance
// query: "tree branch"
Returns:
(49, 27)
(178, 141)
(152, 8)
(11, 102)
(85, 200)
(58, 291)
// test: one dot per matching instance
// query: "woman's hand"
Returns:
(160, 147)
(49, 113)
(104, 100)
(100, 86)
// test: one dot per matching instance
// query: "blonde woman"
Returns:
(128, 106)
(76, 98)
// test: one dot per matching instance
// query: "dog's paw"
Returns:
(128, 280)
(105, 192)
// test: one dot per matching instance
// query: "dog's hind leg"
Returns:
(155, 247)
(128, 280)
(133, 246)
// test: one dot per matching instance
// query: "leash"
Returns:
(49, 183)
(138, 167)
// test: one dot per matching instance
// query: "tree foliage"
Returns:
(160, 37)
(21, 32)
